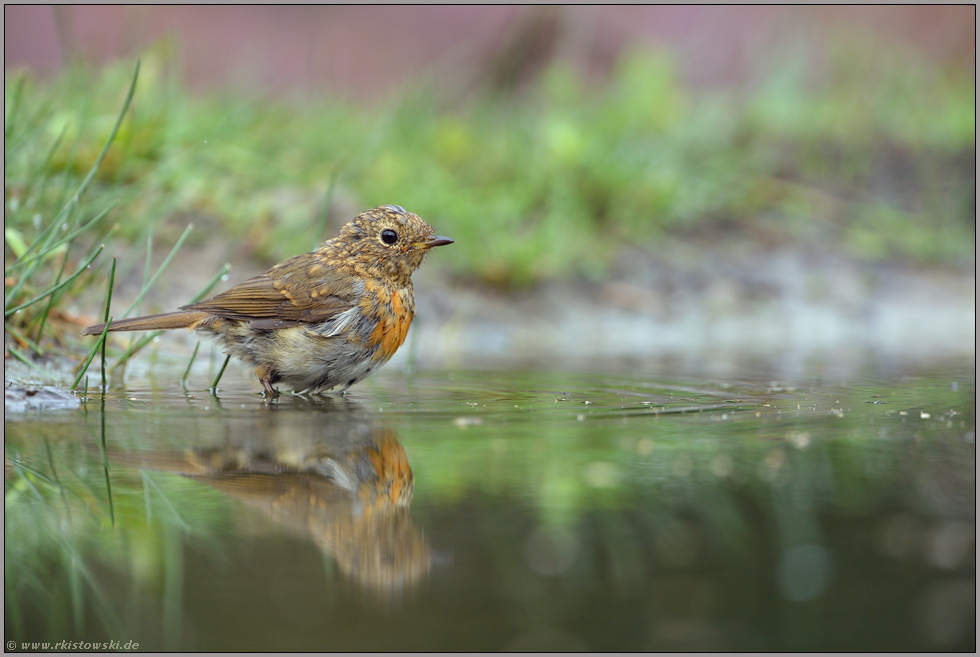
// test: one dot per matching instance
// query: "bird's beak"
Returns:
(434, 241)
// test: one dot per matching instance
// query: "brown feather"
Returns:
(149, 323)
(252, 299)
(283, 296)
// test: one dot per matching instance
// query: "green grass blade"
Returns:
(76, 274)
(108, 298)
(91, 355)
(29, 187)
(36, 262)
(112, 136)
(67, 238)
(146, 267)
(183, 379)
(214, 386)
(163, 267)
(225, 268)
(103, 607)
(21, 468)
(23, 338)
(134, 349)
(35, 124)
(57, 479)
(105, 318)
(86, 279)
(146, 277)
(8, 119)
(26, 276)
(24, 359)
(105, 454)
(53, 297)
(72, 204)
(145, 340)
(166, 500)
(102, 338)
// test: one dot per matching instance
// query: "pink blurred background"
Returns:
(367, 52)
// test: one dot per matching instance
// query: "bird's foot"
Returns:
(268, 391)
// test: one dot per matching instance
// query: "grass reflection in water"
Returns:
(659, 515)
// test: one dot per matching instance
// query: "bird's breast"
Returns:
(392, 308)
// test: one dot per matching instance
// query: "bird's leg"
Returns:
(265, 378)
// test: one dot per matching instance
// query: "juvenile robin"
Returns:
(319, 321)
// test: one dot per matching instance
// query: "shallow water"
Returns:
(496, 510)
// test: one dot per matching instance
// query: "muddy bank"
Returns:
(719, 308)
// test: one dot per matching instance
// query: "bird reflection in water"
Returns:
(345, 484)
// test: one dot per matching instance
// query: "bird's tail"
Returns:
(179, 319)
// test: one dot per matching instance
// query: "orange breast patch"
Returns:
(392, 328)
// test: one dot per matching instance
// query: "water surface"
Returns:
(501, 510)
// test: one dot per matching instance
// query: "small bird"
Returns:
(319, 321)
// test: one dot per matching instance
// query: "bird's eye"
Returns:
(389, 236)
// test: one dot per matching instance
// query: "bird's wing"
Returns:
(286, 295)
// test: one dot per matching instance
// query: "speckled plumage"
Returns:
(319, 321)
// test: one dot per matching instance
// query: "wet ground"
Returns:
(501, 510)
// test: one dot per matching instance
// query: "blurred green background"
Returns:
(551, 143)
